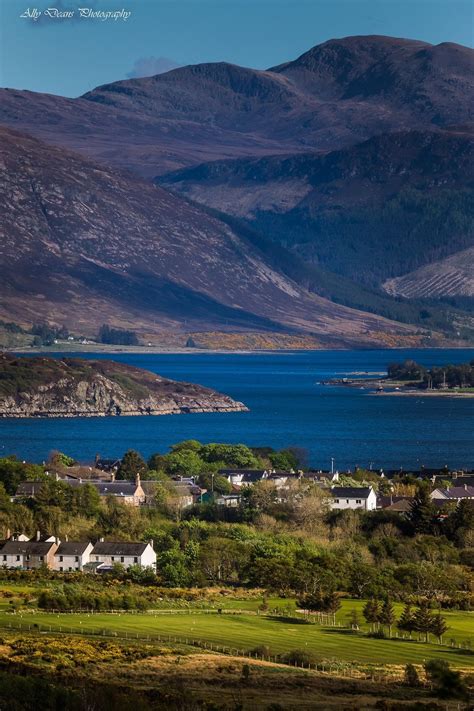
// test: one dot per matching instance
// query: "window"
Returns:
(76, 558)
(122, 559)
(4, 557)
(113, 557)
(97, 558)
(41, 557)
(18, 557)
(358, 501)
(135, 560)
(347, 501)
(336, 501)
(61, 568)
(61, 558)
(27, 557)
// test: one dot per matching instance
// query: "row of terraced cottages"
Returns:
(71, 556)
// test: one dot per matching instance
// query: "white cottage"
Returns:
(351, 497)
(127, 554)
(72, 555)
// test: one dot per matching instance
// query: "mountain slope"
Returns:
(369, 212)
(84, 245)
(337, 94)
(453, 276)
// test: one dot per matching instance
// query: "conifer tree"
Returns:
(423, 620)
(387, 615)
(131, 465)
(406, 623)
(439, 627)
(422, 514)
(371, 613)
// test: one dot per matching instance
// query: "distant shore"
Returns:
(426, 393)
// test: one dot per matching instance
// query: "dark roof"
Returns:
(459, 492)
(226, 472)
(28, 488)
(351, 492)
(26, 547)
(116, 488)
(110, 548)
(384, 502)
(72, 548)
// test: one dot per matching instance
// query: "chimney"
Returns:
(38, 535)
(151, 542)
(112, 476)
(66, 537)
(465, 487)
(101, 539)
(137, 479)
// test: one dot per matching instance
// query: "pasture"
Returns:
(246, 631)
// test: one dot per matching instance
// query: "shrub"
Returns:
(298, 657)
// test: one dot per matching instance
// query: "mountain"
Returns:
(370, 212)
(339, 93)
(85, 245)
(47, 387)
(323, 182)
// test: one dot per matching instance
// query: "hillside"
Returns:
(45, 387)
(339, 93)
(453, 276)
(371, 212)
(83, 245)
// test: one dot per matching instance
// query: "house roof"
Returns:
(458, 492)
(403, 505)
(72, 548)
(351, 492)
(116, 488)
(226, 472)
(111, 548)
(385, 502)
(26, 547)
(28, 488)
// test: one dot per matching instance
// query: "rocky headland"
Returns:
(74, 387)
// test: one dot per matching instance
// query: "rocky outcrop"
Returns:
(44, 387)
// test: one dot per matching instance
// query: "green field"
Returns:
(247, 631)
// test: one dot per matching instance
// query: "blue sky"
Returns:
(70, 57)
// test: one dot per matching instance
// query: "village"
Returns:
(336, 491)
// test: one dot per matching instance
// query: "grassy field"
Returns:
(246, 631)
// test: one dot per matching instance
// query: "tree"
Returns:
(131, 465)
(283, 460)
(439, 627)
(354, 620)
(184, 462)
(371, 613)
(406, 623)
(411, 676)
(387, 615)
(423, 620)
(447, 682)
(422, 515)
(460, 523)
(232, 455)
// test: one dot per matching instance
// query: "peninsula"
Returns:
(74, 387)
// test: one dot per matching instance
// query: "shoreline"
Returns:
(152, 350)
(425, 393)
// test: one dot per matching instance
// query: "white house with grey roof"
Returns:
(108, 553)
(72, 555)
(352, 497)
